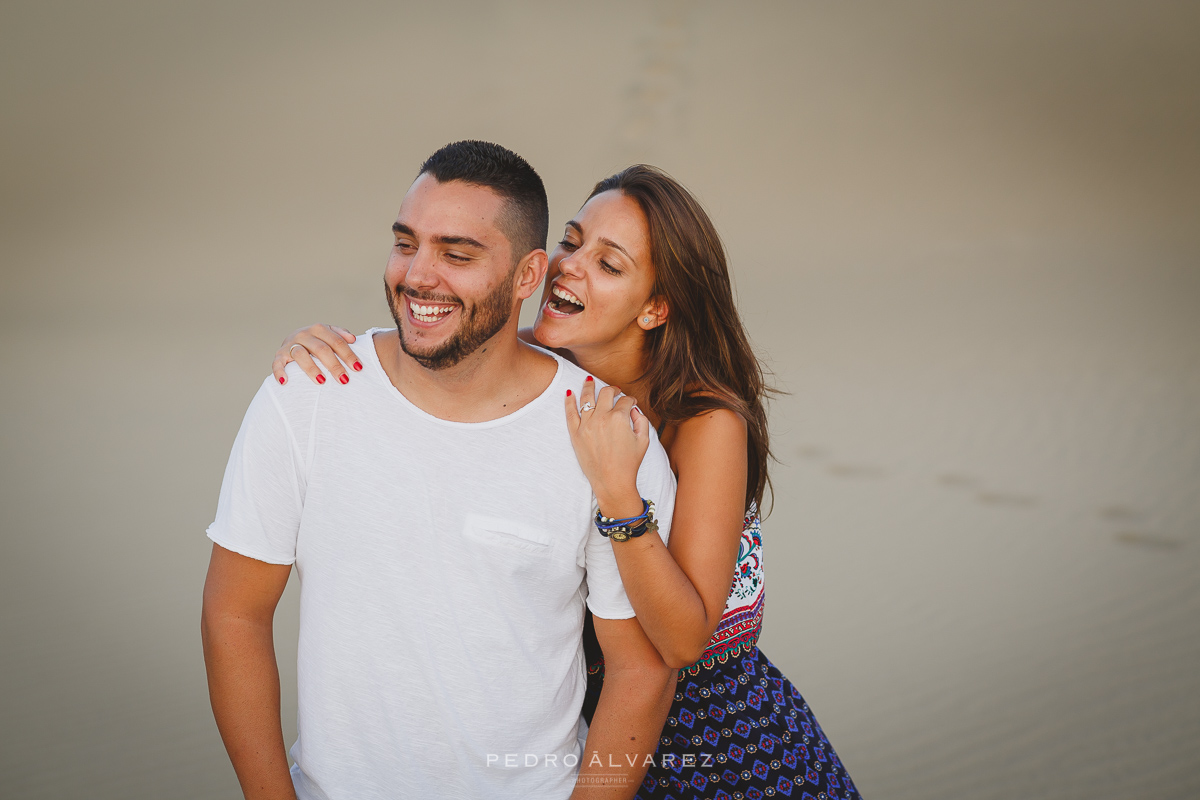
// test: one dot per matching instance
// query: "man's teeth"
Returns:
(429, 313)
(563, 294)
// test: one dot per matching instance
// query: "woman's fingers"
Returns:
(588, 393)
(641, 426)
(329, 357)
(345, 334)
(606, 397)
(607, 403)
(572, 413)
(627, 411)
(305, 362)
(327, 344)
(624, 405)
(279, 368)
(331, 349)
(338, 339)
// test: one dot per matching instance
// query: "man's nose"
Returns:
(422, 270)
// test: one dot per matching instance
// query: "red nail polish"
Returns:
(282, 381)
(357, 367)
(589, 377)
(568, 392)
(320, 379)
(344, 378)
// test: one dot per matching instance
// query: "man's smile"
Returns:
(427, 312)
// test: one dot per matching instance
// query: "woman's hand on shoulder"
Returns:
(610, 439)
(328, 344)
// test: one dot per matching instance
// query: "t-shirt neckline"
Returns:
(373, 363)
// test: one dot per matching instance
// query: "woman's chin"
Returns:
(539, 332)
(544, 333)
(550, 331)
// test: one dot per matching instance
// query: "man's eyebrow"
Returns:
(400, 227)
(464, 240)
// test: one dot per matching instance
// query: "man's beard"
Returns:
(485, 319)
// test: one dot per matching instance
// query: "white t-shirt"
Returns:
(443, 572)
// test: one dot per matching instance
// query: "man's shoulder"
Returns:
(569, 371)
(569, 375)
(300, 394)
(284, 407)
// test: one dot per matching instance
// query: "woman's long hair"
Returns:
(701, 358)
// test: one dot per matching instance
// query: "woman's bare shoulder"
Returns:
(719, 433)
(714, 420)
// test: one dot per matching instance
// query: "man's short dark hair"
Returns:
(525, 218)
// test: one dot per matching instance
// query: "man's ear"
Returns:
(654, 313)
(530, 273)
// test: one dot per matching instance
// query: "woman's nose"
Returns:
(571, 265)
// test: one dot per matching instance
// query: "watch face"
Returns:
(618, 536)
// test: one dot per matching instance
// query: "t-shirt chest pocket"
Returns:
(512, 543)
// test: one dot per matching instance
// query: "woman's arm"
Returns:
(679, 593)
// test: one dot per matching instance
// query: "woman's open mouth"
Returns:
(562, 303)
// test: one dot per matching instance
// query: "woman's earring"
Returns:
(645, 319)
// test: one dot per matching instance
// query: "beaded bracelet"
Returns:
(604, 522)
(620, 530)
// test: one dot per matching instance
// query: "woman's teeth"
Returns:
(428, 313)
(565, 301)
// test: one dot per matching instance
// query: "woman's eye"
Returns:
(568, 245)
(609, 268)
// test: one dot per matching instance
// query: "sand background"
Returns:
(965, 238)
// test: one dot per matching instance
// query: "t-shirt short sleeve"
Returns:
(258, 513)
(606, 594)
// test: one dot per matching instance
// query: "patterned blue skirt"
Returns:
(739, 730)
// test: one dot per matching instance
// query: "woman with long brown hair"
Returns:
(638, 293)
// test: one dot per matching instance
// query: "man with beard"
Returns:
(443, 534)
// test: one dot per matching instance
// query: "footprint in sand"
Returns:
(1148, 541)
(1007, 500)
(814, 452)
(1121, 514)
(957, 480)
(965, 482)
(857, 471)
